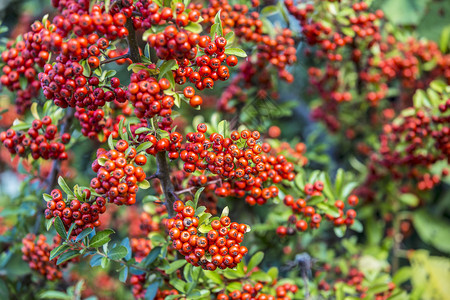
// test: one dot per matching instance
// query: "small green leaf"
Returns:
(236, 52)
(166, 67)
(101, 238)
(151, 257)
(83, 234)
(152, 289)
(144, 184)
(225, 212)
(62, 183)
(144, 146)
(60, 229)
(67, 256)
(175, 265)
(58, 250)
(34, 112)
(197, 195)
(255, 260)
(340, 231)
(117, 253)
(409, 199)
(194, 27)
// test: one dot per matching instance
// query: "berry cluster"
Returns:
(221, 243)
(353, 278)
(83, 212)
(148, 97)
(118, 173)
(278, 51)
(238, 157)
(314, 216)
(65, 83)
(41, 141)
(152, 14)
(22, 62)
(37, 254)
(255, 292)
(140, 247)
(411, 146)
(208, 68)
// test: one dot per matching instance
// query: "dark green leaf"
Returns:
(255, 260)
(118, 252)
(59, 226)
(101, 238)
(83, 234)
(67, 256)
(58, 250)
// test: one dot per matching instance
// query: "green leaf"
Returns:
(166, 67)
(236, 52)
(47, 197)
(225, 212)
(142, 130)
(260, 276)
(144, 184)
(329, 209)
(340, 231)
(67, 256)
(83, 234)
(404, 12)
(194, 27)
(58, 250)
(357, 226)
(402, 275)
(101, 238)
(255, 260)
(218, 21)
(347, 189)
(34, 112)
(110, 142)
(144, 146)
(432, 230)
(118, 252)
(175, 265)
(224, 128)
(444, 41)
(60, 229)
(269, 10)
(54, 295)
(214, 277)
(62, 183)
(197, 195)
(198, 294)
(409, 199)
(151, 257)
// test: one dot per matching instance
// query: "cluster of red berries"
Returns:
(22, 61)
(41, 141)
(139, 289)
(208, 68)
(140, 247)
(84, 213)
(118, 173)
(353, 278)
(250, 76)
(309, 213)
(152, 14)
(254, 292)
(221, 243)
(148, 97)
(401, 154)
(237, 157)
(82, 20)
(175, 44)
(37, 254)
(278, 51)
(65, 83)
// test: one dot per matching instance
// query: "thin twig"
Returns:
(112, 59)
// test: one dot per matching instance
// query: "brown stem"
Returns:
(163, 171)
(109, 60)
(52, 178)
(133, 45)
